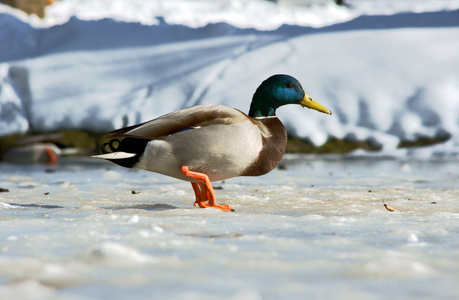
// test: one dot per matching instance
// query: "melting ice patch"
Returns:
(112, 253)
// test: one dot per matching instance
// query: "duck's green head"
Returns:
(280, 90)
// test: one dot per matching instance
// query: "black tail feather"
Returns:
(129, 145)
(110, 145)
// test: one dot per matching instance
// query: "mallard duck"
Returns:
(208, 143)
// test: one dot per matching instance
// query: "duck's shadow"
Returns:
(38, 206)
(149, 207)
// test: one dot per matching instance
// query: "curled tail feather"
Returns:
(110, 146)
(125, 152)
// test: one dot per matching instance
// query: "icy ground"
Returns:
(317, 228)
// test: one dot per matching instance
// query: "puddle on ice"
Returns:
(318, 229)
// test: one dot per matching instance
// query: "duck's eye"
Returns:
(290, 85)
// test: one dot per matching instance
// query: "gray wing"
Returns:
(192, 117)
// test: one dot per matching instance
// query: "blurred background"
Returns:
(71, 70)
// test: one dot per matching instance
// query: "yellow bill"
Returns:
(309, 103)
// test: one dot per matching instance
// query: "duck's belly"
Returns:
(220, 151)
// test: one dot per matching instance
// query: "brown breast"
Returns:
(274, 140)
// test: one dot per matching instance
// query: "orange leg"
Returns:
(203, 190)
(197, 192)
(200, 194)
(52, 157)
(206, 193)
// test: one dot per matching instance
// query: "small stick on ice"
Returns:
(391, 209)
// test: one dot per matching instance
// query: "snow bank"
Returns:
(387, 78)
(259, 14)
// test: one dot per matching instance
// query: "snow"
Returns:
(259, 14)
(388, 71)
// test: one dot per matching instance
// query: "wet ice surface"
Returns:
(317, 229)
